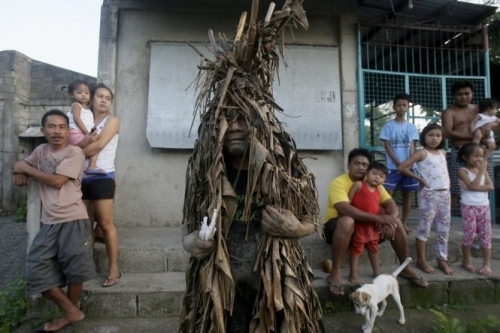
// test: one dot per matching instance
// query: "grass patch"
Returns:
(447, 324)
(21, 214)
(13, 305)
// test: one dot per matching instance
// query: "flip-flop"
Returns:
(337, 290)
(469, 268)
(416, 280)
(110, 282)
(484, 271)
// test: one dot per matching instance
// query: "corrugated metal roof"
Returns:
(32, 132)
(440, 12)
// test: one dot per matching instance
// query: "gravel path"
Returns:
(13, 238)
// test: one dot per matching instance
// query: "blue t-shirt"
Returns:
(399, 135)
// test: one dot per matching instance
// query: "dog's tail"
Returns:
(400, 268)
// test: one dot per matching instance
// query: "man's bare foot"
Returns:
(355, 281)
(68, 319)
(426, 268)
(443, 265)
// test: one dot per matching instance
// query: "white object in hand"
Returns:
(207, 231)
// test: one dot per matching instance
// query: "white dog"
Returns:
(367, 297)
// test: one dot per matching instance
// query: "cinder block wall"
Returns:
(28, 88)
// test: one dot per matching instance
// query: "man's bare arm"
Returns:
(49, 179)
(346, 209)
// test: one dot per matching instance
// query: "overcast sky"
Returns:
(63, 33)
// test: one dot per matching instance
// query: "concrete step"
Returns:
(137, 295)
(146, 250)
(417, 320)
(160, 294)
(159, 249)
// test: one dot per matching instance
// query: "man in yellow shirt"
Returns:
(340, 217)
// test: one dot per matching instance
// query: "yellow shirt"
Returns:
(339, 192)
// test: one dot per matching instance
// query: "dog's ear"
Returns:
(366, 297)
(353, 296)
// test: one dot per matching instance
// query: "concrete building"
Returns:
(135, 40)
(144, 58)
(28, 88)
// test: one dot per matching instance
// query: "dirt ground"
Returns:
(13, 238)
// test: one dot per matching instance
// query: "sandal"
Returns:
(469, 268)
(416, 280)
(484, 271)
(111, 281)
(337, 290)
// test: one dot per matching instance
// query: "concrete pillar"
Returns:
(34, 206)
(348, 61)
(106, 67)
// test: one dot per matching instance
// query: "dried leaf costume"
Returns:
(240, 78)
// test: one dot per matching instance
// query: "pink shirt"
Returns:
(64, 204)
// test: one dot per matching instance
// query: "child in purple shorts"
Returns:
(399, 136)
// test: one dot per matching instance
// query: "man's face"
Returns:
(357, 168)
(56, 131)
(236, 141)
(463, 97)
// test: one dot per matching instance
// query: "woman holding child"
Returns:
(98, 189)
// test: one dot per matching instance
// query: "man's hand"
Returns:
(387, 220)
(281, 224)
(386, 231)
(198, 248)
(19, 167)
(20, 179)
(485, 130)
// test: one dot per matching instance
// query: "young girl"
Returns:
(81, 118)
(433, 197)
(475, 184)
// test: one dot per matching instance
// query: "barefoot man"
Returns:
(456, 121)
(62, 249)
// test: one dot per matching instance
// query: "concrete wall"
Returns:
(150, 181)
(28, 88)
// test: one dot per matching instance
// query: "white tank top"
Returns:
(473, 198)
(86, 116)
(434, 170)
(106, 158)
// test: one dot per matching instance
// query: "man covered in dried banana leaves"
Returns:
(248, 271)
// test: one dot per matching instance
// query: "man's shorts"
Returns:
(453, 167)
(329, 229)
(60, 253)
(98, 189)
(396, 180)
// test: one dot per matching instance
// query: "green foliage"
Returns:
(21, 214)
(447, 324)
(13, 305)
(328, 308)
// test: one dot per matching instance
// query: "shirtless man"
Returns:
(456, 121)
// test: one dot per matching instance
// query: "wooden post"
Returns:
(34, 206)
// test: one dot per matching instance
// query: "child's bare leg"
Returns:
(443, 265)
(406, 210)
(92, 162)
(374, 262)
(421, 260)
(490, 147)
(477, 136)
(353, 275)
(486, 269)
